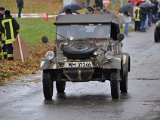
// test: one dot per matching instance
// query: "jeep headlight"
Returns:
(49, 55)
(108, 55)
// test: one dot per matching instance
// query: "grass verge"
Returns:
(32, 30)
(34, 6)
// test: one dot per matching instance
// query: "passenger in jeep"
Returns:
(90, 10)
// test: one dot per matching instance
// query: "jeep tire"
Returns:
(157, 34)
(124, 83)
(60, 86)
(124, 73)
(115, 85)
(47, 85)
(79, 50)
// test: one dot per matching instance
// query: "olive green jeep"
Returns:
(87, 48)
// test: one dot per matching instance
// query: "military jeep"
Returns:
(87, 48)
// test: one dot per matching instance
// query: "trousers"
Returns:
(9, 52)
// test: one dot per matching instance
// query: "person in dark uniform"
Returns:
(9, 27)
(137, 19)
(20, 6)
(3, 52)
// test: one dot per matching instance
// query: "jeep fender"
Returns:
(46, 64)
(125, 63)
(114, 64)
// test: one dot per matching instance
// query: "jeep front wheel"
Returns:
(47, 85)
(157, 34)
(115, 86)
(60, 85)
(124, 83)
(124, 73)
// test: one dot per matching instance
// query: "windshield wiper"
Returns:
(69, 39)
(61, 36)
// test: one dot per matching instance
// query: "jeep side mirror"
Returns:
(120, 37)
(44, 39)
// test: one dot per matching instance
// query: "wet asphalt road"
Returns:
(23, 99)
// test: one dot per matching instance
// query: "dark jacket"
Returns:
(20, 3)
(1, 18)
(143, 14)
(155, 8)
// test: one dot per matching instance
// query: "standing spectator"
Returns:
(155, 10)
(88, 3)
(9, 27)
(20, 6)
(149, 17)
(127, 20)
(3, 52)
(143, 15)
(156, 3)
(146, 22)
(137, 19)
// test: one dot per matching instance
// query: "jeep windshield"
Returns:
(87, 31)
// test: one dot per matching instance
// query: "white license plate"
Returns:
(78, 64)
